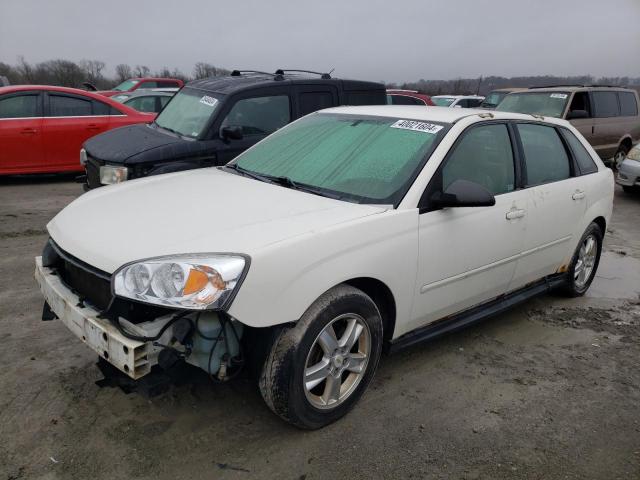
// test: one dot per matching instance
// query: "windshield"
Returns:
(120, 98)
(188, 112)
(494, 99)
(443, 101)
(359, 159)
(126, 85)
(550, 104)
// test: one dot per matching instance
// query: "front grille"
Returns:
(93, 286)
(92, 168)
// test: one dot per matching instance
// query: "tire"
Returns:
(629, 189)
(620, 155)
(312, 405)
(579, 281)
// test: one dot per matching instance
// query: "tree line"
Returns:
(67, 73)
(483, 85)
(73, 74)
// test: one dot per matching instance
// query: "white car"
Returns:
(457, 101)
(351, 231)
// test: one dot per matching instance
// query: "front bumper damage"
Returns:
(211, 343)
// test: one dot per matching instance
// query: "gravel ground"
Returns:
(548, 390)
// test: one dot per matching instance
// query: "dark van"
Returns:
(210, 121)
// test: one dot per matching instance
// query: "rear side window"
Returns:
(404, 100)
(101, 108)
(259, 115)
(313, 101)
(473, 102)
(584, 160)
(546, 159)
(142, 104)
(19, 106)
(167, 84)
(628, 104)
(483, 156)
(606, 104)
(63, 106)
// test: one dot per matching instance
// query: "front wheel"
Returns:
(318, 369)
(584, 263)
(619, 157)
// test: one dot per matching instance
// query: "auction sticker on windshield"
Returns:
(210, 101)
(559, 95)
(418, 126)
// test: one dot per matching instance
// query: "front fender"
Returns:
(286, 278)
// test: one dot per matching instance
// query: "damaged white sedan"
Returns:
(351, 231)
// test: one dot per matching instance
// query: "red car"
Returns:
(407, 97)
(146, 82)
(42, 128)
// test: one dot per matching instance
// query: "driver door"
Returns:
(258, 116)
(468, 255)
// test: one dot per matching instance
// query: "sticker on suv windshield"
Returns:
(210, 101)
(559, 95)
(418, 126)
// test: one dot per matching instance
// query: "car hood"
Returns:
(121, 144)
(197, 211)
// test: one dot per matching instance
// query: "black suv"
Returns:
(210, 121)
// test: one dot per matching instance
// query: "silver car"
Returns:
(147, 100)
(629, 171)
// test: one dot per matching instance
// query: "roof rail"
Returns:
(238, 73)
(325, 76)
(561, 85)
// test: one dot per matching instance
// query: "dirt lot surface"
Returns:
(549, 390)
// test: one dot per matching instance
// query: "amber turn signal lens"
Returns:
(196, 281)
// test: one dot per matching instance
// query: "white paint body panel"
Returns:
(301, 245)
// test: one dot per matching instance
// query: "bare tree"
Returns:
(206, 70)
(93, 69)
(123, 72)
(141, 71)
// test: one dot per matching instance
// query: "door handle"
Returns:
(578, 195)
(515, 213)
(28, 131)
(92, 126)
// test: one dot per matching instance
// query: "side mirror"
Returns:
(575, 114)
(231, 133)
(463, 193)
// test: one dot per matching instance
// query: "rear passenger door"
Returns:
(556, 201)
(608, 126)
(311, 98)
(69, 121)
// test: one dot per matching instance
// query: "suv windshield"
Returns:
(188, 112)
(443, 101)
(494, 99)
(126, 85)
(550, 104)
(356, 158)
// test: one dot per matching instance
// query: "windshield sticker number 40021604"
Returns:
(418, 126)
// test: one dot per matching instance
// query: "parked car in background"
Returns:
(149, 101)
(629, 171)
(457, 101)
(134, 84)
(210, 121)
(351, 231)
(606, 116)
(493, 99)
(407, 97)
(43, 127)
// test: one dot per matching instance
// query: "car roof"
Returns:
(155, 78)
(146, 93)
(436, 114)
(574, 88)
(250, 80)
(457, 96)
(53, 88)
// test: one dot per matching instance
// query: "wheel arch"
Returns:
(602, 223)
(383, 297)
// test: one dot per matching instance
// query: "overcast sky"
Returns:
(366, 39)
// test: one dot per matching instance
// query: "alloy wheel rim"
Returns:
(337, 361)
(586, 261)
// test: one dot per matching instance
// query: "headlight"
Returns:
(83, 156)
(109, 174)
(195, 282)
(634, 154)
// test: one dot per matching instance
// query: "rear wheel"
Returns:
(585, 262)
(318, 369)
